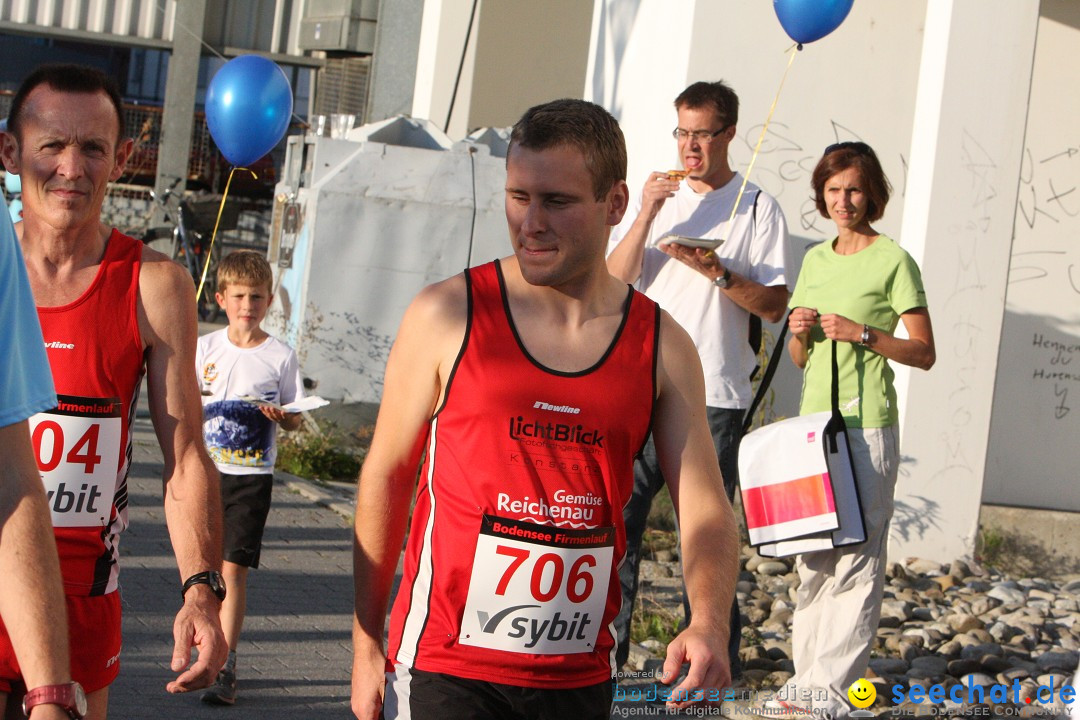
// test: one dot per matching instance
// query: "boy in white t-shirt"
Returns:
(241, 361)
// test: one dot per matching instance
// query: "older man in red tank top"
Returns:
(109, 313)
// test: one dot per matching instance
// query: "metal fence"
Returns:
(207, 169)
(129, 207)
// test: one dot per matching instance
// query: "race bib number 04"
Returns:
(77, 446)
(537, 588)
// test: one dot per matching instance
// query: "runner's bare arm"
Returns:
(167, 322)
(421, 359)
(32, 600)
(707, 524)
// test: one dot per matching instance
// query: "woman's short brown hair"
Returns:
(842, 156)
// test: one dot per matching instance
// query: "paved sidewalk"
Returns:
(295, 650)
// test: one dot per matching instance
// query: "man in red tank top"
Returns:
(108, 310)
(528, 385)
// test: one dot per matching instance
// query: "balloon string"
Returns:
(761, 138)
(213, 235)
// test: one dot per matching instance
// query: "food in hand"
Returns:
(677, 175)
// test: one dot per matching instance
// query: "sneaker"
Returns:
(223, 691)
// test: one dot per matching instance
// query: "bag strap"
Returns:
(766, 379)
(770, 370)
(836, 424)
(754, 334)
(835, 382)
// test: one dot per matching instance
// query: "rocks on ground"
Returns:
(940, 624)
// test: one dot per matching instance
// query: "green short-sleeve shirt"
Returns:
(873, 287)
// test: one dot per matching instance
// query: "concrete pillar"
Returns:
(1033, 452)
(967, 143)
(638, 63)
(393, 64)
(516, 55)
(178, 116)
(443, 32)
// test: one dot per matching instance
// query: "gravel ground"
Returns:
(956, 624)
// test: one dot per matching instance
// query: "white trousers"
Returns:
(838, 602)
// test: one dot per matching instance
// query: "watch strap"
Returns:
(864, 339)
(723, 280)
(66, 695)
(207, 577)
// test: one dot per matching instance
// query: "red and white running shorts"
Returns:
(94, 633)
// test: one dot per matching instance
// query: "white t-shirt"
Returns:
(240, 439)
(756, 247)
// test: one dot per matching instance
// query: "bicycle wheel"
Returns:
(176, 251)
(209, 310)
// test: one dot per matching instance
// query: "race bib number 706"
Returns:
(537, 588)
(77, 446)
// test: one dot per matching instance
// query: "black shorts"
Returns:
(245, 500)
(413, 694)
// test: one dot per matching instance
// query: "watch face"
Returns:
(211, 578)
(80, 699)
(217, 583)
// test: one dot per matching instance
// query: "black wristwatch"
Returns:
(210, 577)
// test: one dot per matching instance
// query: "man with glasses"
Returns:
(711, 293)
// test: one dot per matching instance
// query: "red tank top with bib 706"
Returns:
(510, 569)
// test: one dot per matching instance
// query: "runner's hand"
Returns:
(709, 672)
(368, 682)
(198, 625)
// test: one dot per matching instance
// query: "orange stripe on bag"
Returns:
(792, 500)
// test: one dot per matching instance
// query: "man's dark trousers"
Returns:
(726, 427)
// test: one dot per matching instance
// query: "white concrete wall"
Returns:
(1033, 455)
(945, 113)
(379, 223)
(941, 90)
(966, 151)
(825, 98)
(646, 52)
(638, 63)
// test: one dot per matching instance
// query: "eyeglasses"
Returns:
(702, 136)
(859, 148)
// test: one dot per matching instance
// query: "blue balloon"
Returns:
(808, 20)
(248, 106)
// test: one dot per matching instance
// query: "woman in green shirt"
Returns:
(852, 291)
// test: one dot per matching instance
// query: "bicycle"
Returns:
(189, 248)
